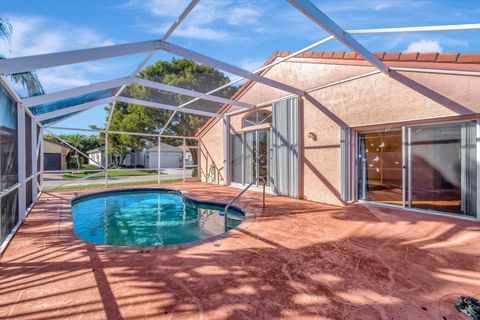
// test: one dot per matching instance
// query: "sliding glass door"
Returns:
(428, 167)
(251, 156)
(380, 166)
(442, 167)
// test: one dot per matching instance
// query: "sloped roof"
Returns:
(452, 61)
(392, 56)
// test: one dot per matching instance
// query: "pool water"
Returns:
(148, 218)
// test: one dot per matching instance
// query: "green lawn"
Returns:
(125, 184)
(113, 173)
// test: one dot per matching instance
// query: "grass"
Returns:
(114, 173)
(125, 184)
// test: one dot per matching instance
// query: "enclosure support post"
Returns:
(21, 161)
(40, 136)
(105, 168)
(34, 158)
(184, 148)
(158, 158)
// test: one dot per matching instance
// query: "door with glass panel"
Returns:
(427, 167)
(379, 166)
(442, 167)
(251, 156)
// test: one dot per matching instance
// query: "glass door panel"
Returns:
(443, 167)
(237, 158)
(250, 156)
(379, 166)
(264, 155)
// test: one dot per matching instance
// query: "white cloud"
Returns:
(202, 33)
(162, 8)
(243, 15)
(37, 35)
(424, 46)
(34, 35)
(208, 20)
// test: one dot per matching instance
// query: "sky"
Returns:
(244, 33)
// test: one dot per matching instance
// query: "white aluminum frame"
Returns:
(21, 64)
(123, 132)
(21, 164)
(21, 160)
(76, 108)
(303, 5)
(167, 107)
(75, 92)
(317, 16)
(191, 93)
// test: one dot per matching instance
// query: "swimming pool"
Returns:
(147, 218)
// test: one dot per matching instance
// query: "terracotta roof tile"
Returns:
(350, 55)
(327, 55)
(396, 57)
(391, 56)
(472, 58)
(338, 55)
(427, 57)
(409, 56)
(447, 57)
(469, 58)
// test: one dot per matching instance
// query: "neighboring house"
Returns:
(54, 155)
(134, 158)
(406, 139)
(171, 157)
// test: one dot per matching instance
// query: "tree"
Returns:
(28, 80)
(177, 72)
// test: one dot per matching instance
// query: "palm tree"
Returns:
(28, 80)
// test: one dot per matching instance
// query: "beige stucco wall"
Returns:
(211, 166)
(375, 99)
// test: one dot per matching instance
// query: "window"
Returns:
(258, 117)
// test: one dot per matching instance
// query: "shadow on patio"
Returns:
(300, 260)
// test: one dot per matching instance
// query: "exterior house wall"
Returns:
(367, 101)
(95, 156)
(168, 159)
(211, 168)
(49, 147)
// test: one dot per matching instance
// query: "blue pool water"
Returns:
(148, 218)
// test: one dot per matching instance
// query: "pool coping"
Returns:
(66, 231)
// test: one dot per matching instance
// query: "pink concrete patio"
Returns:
(298, 260)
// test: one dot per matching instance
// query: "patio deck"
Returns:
(298, 260)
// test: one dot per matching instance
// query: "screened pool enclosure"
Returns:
(25, 120)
